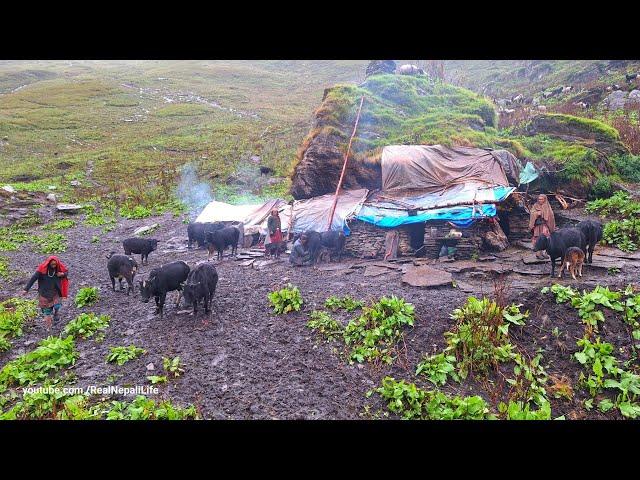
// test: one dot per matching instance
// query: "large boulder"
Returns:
(377, 67)
(616, 100)
(634, 96)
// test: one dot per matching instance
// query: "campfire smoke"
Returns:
(193, 192)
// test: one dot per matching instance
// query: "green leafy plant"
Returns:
(438, 368)
(562, 294)
(135, 212)
(86, 325)
(480, 338)
(87, 296)
(530, 380)
(122, 355)
(411, 402)
(620, 204)
(143, 408)
(11, 238)
(51, 355)
(51, 243)
(172, 366)
(62, 224)
(324, 324)
(286, 300)
(374, 334)
(154, 379)
(346, 302)
(5, 273)
(524, 411)
(624, 234)
(13, 314)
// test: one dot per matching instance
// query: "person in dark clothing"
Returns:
(53, 285)
(300, 254)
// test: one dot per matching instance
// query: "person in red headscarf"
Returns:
(53, 284)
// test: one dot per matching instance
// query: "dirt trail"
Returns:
(243, 362)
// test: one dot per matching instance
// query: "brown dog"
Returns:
(573, 260)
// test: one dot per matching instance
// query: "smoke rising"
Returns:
(192, 192)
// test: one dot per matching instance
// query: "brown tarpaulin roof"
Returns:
(434, 168)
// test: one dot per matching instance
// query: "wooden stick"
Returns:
(344, 166)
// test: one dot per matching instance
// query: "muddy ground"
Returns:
(243, 362)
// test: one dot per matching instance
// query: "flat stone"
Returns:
(374, 271)
(9, 188)
(334, 266)
(260, 264)
(151, 367)
(51, 197)
(68, 207)
(130, 331)
(465, 287)
(247, 263)
(425, 276)
(524, 271)
(145, 229)
(533, 260)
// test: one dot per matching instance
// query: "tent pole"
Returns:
(344, 166)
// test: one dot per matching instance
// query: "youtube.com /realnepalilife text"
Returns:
(94, 390)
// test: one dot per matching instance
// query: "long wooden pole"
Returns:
(344, 165)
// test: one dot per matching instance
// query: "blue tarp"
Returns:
(528, 174)
(461, 216)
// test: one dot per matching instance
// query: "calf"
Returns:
(219, 240)
(201, 285)
(197, 232)
(121, 267)
(592, 230)
(573, 260)
(557, 244)
(164, 279)
(143, 246)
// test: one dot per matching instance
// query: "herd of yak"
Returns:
(197, 284)
(571, 245)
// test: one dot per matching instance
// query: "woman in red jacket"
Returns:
(53, 284)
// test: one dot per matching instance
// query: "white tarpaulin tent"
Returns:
(225, 212)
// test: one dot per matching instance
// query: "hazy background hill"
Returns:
(125, 128)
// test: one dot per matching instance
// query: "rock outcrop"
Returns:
(398, 109)
(380, 66)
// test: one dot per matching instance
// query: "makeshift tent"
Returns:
(225, 212)
(256, 222)
(432, 182)
(253, 217)
(434, 168)
(313, 214)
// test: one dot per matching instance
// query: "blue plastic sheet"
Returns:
(528, 174)
(462, 216)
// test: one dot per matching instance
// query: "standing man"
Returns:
(53, 284)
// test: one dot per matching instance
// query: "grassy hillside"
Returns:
(405, 109)
(507, 78)
(131, 125)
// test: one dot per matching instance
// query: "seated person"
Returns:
(300, 254)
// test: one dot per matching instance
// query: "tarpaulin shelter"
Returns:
(225, 212)
(256, 222)
(433, 182)
(435, 168)
(313, 213)
(253, 216)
